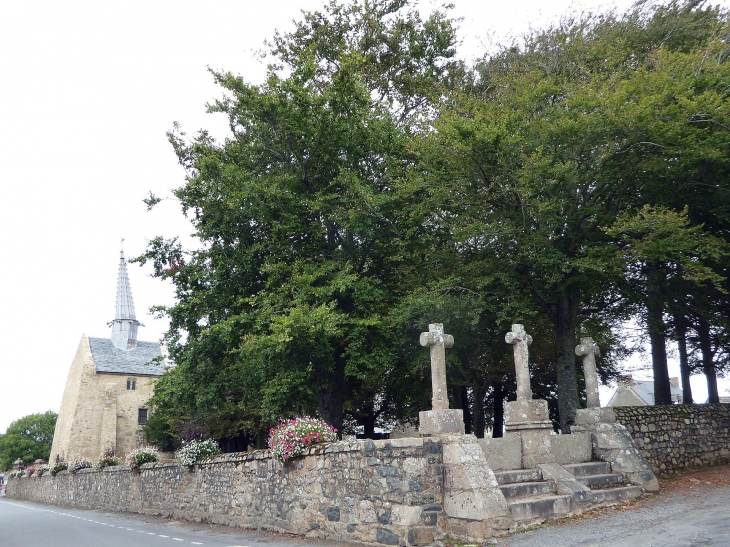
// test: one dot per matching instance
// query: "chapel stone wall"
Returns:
(382, 492)
(674, 437)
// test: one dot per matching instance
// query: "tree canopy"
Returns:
(28, 438)
(374, 183)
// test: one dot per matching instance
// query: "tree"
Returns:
(28, 438)
(304, 250)
(547, 145)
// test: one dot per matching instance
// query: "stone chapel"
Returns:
(110, 381)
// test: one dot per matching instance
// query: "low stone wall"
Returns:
(673, 437)
(388, 492)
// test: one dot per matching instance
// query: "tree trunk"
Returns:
(680, 325)
(368, 425)
(461, 400)
(703, 330)
(657, 337)
(479, 419)
(498, 412)
(331, 395)
(564, 320)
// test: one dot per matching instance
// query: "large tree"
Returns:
(548, 143)
(304, 249)
(28, 438)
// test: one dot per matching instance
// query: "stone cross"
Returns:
(520, 340)
(589, 351)
(438, 341)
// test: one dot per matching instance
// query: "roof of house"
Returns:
(110, 359)
(644, 390)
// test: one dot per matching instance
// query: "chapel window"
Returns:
(131, 384)
(142, 416)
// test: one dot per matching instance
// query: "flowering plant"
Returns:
(42, 469)
(142, 455)
(60, 466)
(107, 461)
(30, 470)
(292, 438)
(194, 451)
(79, 462)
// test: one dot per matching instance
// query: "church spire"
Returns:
(124, 326)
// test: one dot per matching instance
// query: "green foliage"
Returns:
(304, 245)
(372, 185)
(29, 438)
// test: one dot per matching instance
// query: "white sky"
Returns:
(87, 92)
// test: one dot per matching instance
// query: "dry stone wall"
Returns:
(380, 492)
(673, 437)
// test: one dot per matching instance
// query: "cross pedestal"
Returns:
(441, 420)
(527, 417)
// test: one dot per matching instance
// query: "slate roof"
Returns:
(644, 389)
(108, 358)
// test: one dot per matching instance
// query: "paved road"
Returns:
(699, 517)
(24, 524)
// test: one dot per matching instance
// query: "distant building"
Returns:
(110, 381)
(632, 392)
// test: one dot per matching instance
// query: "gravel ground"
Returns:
(692, 508)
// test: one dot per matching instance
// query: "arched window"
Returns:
(131, 384)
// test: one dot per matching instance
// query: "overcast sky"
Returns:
(87, 92)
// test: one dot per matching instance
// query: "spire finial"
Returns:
(124, 326)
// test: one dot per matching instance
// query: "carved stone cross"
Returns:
(521, 340)
(589, 351)
(438, 341)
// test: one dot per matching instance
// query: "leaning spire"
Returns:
(124, 326)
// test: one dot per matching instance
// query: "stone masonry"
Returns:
(97, 409)
(394, 492)
(673, 437)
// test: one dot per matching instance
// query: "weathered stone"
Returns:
(333, 514)
(520, 340)
(502, 453)
(437, 341)
(574, 448)
(440, 422)
(589, 351)
(385, 536)
(406, 515)
(476, 505)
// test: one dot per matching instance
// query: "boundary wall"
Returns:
(674, 437)
(408, 491)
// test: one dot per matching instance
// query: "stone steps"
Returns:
(536, 509)
(601, 482)
(518, 475)
(619, 494)
(528, 489)
(532, 499)
(588, 468)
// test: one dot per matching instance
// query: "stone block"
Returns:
(479, 531)
(386, 537)
(590, 416)
(406, 442)
(406, 515)
(574, 448)
(469, 477)
(476, 505)
(533, 410)
(462, 453)
(420, 536)
(441, 422)
(502, 453)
